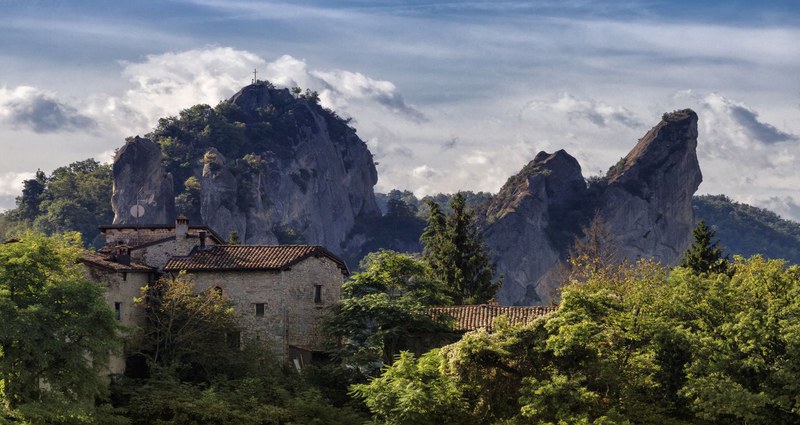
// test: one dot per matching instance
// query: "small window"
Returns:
(218, 290)
(317, 294)
(260, 310)
(118, 311)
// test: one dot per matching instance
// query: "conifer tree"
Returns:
(457, 255)
(705, 254)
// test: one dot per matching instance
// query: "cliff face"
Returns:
(141, 183)
(281, 169)
(645, 202)
(648, 202)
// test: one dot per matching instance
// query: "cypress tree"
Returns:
(705, 254)
(457, 255)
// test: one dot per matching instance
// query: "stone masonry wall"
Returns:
(121, 288)
(291, 316)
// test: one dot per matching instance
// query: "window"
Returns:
(118, 311)
(218, 290)
(317, 294)
(260, 310)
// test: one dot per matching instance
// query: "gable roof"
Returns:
(249, 257)
(472, 317)
(96, 259)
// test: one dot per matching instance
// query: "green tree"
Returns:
(384, 309)
(56, 331)
(705, 254)
(73, 198)
(28, 203)
(457, 255)
(414, 391)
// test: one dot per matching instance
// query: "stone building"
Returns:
(278, 292)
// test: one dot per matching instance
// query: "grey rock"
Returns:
(311, 187)
(648, 203)
(140, 179)
(645, 204)
(523, 225)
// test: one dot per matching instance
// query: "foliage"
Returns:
(705, 255)
(265, 393)
(186, 332)
(747, 230)
(249, 138)
(629, 345)
(75, 197)
(457, 255)
(56, 331)
(384, 310)
(413, 391)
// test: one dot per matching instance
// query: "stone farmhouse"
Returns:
(278, 292)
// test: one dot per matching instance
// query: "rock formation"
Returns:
(300, 174)
(143, 191)
(644, 201)
(648, 202)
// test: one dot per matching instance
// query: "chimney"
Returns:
(122, 254)
(181, 227)
(202, 239)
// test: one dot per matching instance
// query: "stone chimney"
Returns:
(122, 254)
(181, 227)
(202, 234)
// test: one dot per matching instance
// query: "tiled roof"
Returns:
(471, 317)
(107, 262)
(248, 257)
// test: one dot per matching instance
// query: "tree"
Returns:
(705, 254)
(28, 203)
(457, 255)
(187, 332)
(384, 308)
(56, 331)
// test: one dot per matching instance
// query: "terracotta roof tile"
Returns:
(471, 317)
(107, 262)
(248, 257)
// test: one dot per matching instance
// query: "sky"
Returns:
(448, 95)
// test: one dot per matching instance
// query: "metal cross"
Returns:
(255, 73)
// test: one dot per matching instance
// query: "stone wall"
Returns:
(122, 288)
(291, 315)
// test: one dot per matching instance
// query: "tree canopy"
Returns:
(705, 254)
(56, 331)
(457, 254)
(639, 345)
(384, 309)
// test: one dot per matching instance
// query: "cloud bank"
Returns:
(30, 108)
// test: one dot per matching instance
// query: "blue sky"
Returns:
(449, 95)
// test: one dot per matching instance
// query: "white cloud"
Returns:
(11, 182)
(597, 113)
(11, 187)
(34, 109)
(165, 84)
(339, 89)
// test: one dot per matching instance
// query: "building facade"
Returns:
(279, 293)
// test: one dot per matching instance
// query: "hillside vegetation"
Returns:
(746, 230)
